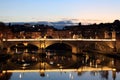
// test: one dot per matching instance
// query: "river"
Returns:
(59, 65)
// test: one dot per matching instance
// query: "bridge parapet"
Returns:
(15, 40)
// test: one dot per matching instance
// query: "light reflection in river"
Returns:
(86, 66)
(98, 75)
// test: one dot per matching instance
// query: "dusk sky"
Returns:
(86, 11)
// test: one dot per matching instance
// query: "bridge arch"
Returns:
(59, 46)
(23, 46)
(43, 44)
(46, 44)
(68, 45)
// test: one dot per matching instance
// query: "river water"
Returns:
(61, 65)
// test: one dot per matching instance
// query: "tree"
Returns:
(4, 30)
(3, 27)
(116, 22)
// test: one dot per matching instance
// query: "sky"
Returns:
(85, 11)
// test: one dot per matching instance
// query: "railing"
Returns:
(78, 39)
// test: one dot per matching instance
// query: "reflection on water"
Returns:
(54, 65)
(64, 76)
(93, 75)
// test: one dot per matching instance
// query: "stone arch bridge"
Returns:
(77, 45)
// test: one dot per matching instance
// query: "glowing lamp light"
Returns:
(114, 69)
(25, 44)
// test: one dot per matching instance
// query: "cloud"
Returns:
(61, 24)
(90, 21)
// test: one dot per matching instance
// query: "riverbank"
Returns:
(112, 54)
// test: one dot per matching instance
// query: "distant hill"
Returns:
(58, 24)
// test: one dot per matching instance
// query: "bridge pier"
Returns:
(114, 37)
(114, 49)
(74, 50)
(41, 47)
(1, 44)
(8, 50)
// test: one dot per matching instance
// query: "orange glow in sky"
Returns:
(85, 11)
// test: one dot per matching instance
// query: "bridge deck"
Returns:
(59, 40)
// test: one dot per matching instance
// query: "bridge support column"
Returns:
(1, 44)
(74, 50)
(114, 45)
(42, 46)
(8, 50)
(41, 50)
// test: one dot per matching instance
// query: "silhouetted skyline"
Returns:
(85, 11)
